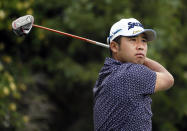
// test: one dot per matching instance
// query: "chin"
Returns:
(139, 62)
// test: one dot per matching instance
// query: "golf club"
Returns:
(23, 25)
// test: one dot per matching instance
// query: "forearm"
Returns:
(164, 79)
(155, 66)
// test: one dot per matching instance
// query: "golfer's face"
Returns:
(133, 49)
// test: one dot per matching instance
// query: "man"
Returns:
(127, 79)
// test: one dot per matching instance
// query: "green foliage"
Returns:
(46, 79)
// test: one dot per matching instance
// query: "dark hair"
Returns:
(118, 41)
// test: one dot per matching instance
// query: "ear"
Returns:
(114, 46)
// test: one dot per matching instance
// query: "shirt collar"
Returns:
(111, 61)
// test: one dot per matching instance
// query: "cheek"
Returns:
(127, 52)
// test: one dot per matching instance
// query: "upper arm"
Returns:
(141, 79)
(163, 81)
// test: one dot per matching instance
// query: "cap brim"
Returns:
(150, 34)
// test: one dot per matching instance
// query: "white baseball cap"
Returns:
(129, 27)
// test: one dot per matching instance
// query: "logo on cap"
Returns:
(136, 31)
(114, 34)
(133, 24)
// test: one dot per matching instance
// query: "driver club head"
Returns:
(23, 25)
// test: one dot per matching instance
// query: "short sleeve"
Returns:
(142, 79)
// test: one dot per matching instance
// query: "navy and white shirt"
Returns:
(122, 97)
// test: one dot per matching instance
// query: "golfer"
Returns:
(122, 92)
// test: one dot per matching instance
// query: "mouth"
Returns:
(139, 55)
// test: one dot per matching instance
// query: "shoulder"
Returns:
(134, 68)
(138, 68)
(137, 71)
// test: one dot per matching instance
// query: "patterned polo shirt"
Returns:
(122, 97)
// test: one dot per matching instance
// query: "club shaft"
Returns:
(73, 36)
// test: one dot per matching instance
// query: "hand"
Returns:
(146, 61)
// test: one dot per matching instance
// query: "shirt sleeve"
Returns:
(142, 79)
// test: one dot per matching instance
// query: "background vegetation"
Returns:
(46, 79)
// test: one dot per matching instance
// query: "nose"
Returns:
(140, 46)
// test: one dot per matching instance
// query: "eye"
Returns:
(144, 40)
(132, 39)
